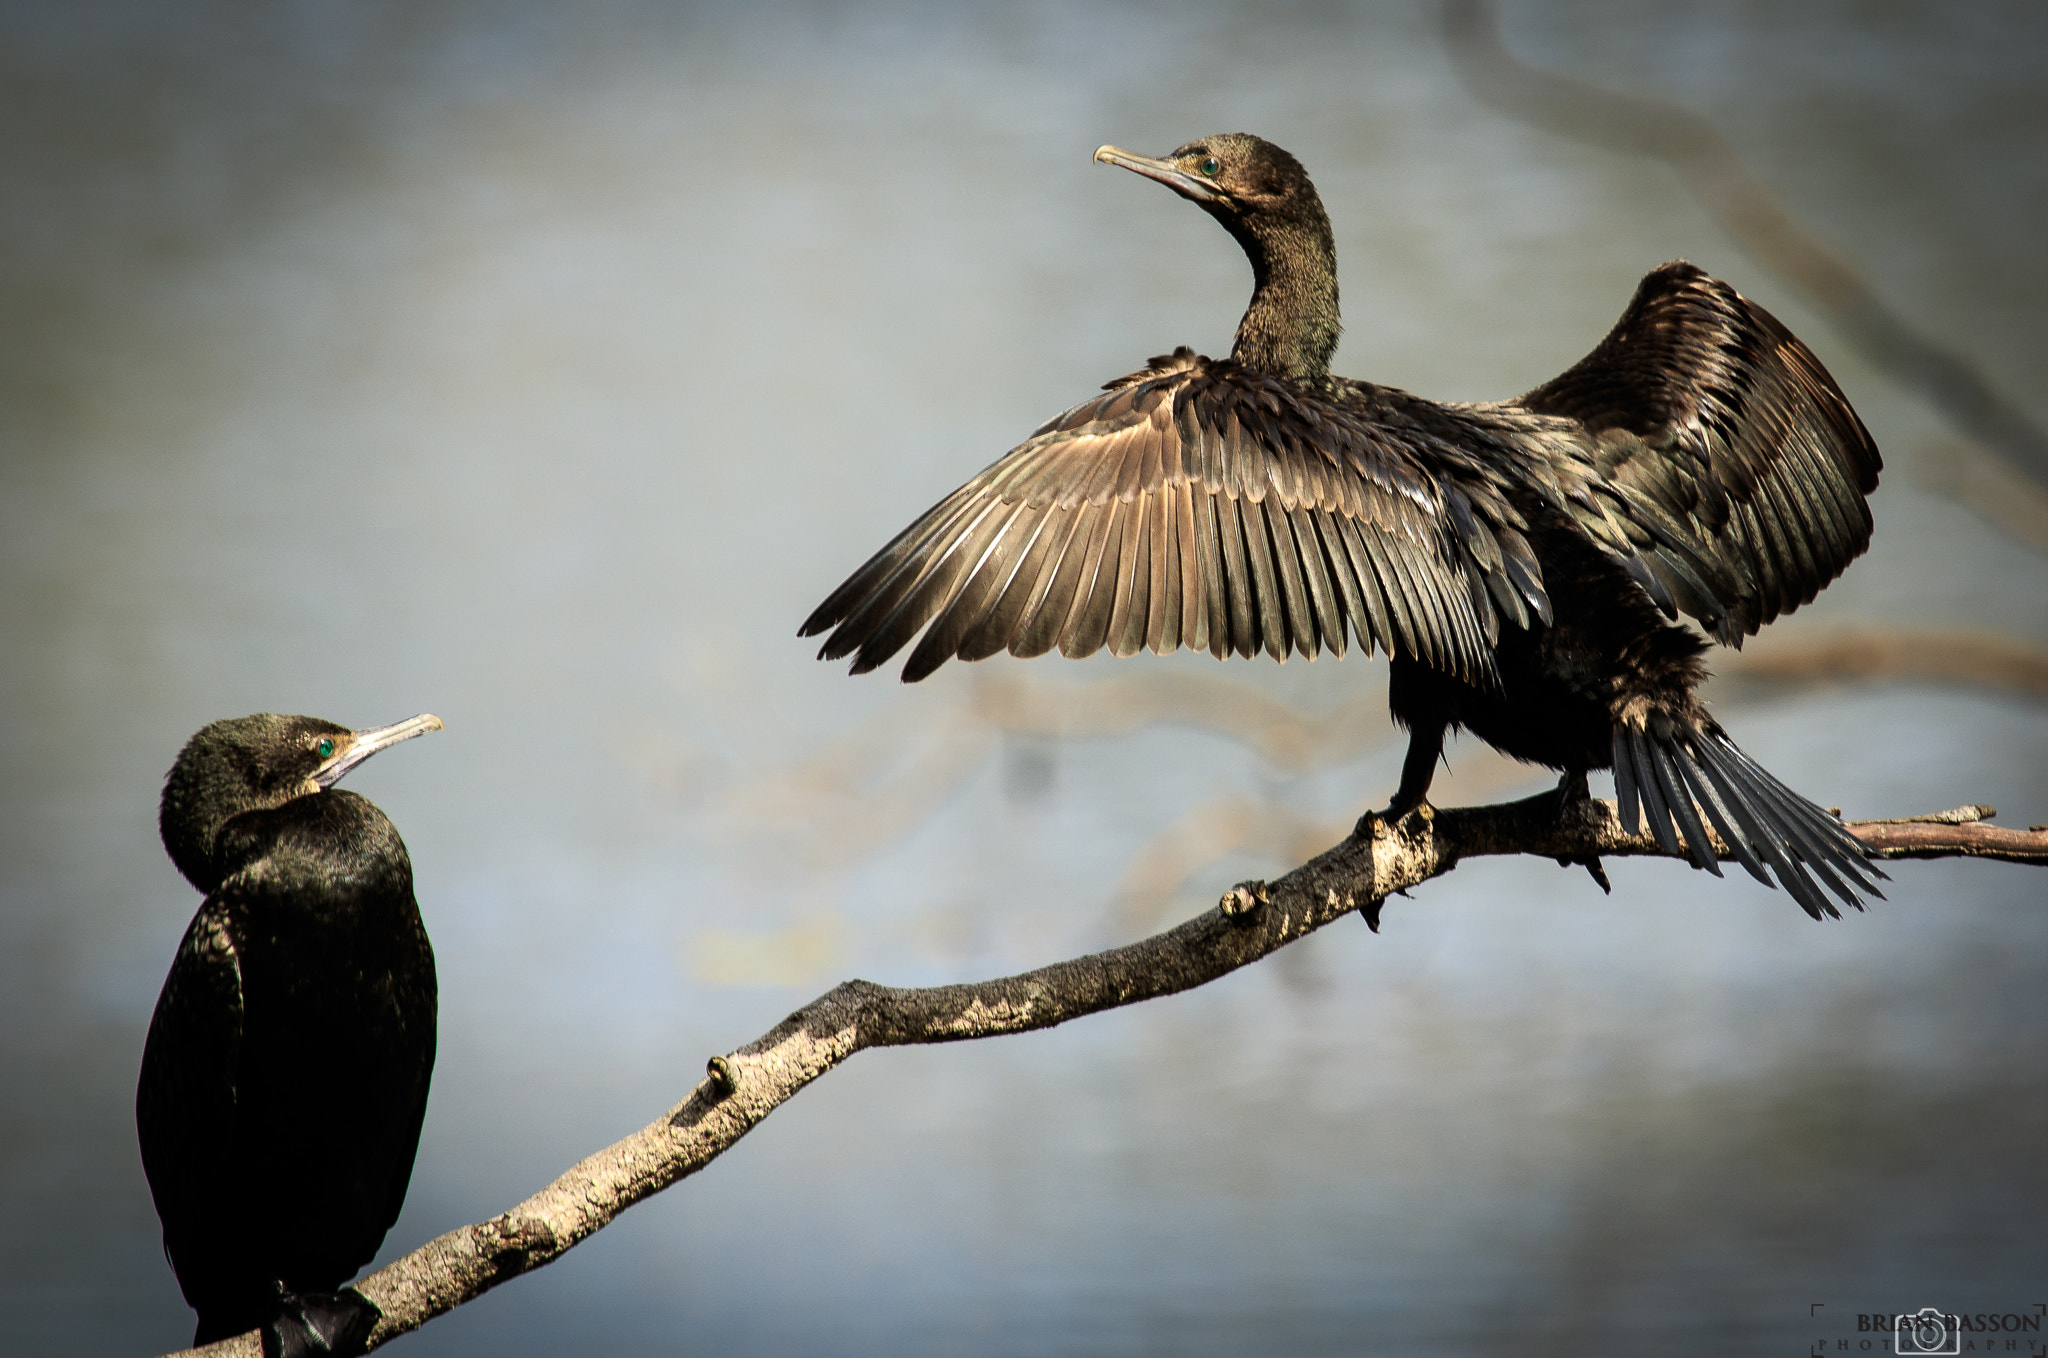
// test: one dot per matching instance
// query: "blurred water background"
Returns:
(543, 366)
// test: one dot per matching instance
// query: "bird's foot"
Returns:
(1369, 826)
(313, 1324)
(1396, 811)
(1573, 793)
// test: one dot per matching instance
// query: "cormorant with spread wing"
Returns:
(1516, 560)
(285, 1077)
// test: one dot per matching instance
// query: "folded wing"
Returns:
(185, 1107)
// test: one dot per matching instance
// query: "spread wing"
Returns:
(185, 1102)
(1724, 440)
(1198, 504)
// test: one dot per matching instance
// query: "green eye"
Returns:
(1209, 166)
(325, 748)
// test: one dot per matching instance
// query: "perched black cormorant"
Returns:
(286, 1071)
(1512, 558)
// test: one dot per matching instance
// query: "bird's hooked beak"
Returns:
(363, 744)
(1187, 185)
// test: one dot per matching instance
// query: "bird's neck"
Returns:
(200, 804)
(1291, 327)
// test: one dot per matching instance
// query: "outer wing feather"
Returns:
(1301, 626)
(1237, 576)
(971, 603)
(1133, 602)
(1369, 592)
(1026, 596)
(1350, 601)
(1270, 609)
(1094, 597)
(1322, 591)
(1041, 631)
(1162, 622)
(1215, 581)
(1395, 592)
(937, 577)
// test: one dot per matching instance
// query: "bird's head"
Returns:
(1233, 176)
(253, 764)
(1264, 198)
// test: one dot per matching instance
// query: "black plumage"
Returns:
(1522, 563)
(285, 1076)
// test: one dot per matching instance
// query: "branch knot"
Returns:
(1243, 900)
(520, 1239)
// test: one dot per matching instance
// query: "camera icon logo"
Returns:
(1927, 1331)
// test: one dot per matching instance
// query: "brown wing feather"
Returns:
(1195, 504)
(1727, 444)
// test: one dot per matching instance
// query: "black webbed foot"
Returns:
(317, 1324)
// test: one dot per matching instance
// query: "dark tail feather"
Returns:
(1672, 787)
(1626, 795)
(1772, 846)
(1696, 785)
(1818, 835)
(1676, 776)
(1653, 796)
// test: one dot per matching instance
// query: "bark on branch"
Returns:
(1252, 920)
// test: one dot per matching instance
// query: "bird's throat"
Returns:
(1291, 327)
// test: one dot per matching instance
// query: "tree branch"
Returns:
(1252, 920)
